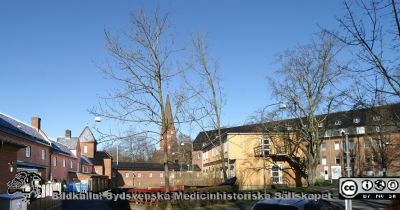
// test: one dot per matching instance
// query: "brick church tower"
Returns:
(171, 132)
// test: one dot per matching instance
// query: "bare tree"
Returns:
(371, 30)
(142, 57)
(306, 85)
(205, 112)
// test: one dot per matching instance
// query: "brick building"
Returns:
(373, 137)
(35, 157)
(128, 174)
(8, 162)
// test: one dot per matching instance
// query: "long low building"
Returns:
(128, 174)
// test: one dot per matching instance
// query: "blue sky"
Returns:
(49, 51)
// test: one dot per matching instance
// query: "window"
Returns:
(85, 149)
(266, 146)
(328, 133)
(126, 175)
(54, 161)
(360, 130)
(71, 164)
(338, 122)
(151, 175)
(64, 163)
(161, 174)
(356, 120)
(323, 160)
(337, 145)
(338, 160)
(323, 147)
(28, 151)
(376, 118)
(276, 174)
(139, 175)
(43, 154)
(320, 125)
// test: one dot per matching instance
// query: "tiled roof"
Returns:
(153, 166)
(87, 135)
(70, 143)
(99, 157)
(85, 160)
(16, 127)
(61, 149)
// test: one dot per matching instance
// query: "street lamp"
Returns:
(282, 106)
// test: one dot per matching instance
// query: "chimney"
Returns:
(67, 133)
(36, 122)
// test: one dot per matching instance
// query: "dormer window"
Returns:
(338, 122)
(356, 120)
(321, 124)
(376, 118)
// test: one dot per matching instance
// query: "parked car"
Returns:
(301, 204)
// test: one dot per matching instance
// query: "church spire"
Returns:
(171, 133)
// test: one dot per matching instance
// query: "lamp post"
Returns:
(282, 106)
(348, 203)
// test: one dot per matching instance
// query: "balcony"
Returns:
(270, 151)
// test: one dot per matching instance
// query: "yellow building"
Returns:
(257, 152)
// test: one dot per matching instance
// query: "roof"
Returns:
(365, 116)
(61, 149)
(87, 135)
(15, 127)
(140, 166)
(99, 156)
(85, 160)
(30, 165)
(70, 143)
(11, 143)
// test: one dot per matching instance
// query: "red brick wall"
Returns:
(8, 154)
(108, 167)
(85, 168)
(91, 149)
(59, 172)
(36, 150)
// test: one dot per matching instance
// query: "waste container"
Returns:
(12, 202)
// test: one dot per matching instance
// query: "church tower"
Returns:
(171, 132)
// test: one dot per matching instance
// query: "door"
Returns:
(326, 174)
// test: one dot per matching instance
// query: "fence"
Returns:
(45, 201)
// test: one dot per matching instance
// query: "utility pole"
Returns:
(265, 175)
(348, 203)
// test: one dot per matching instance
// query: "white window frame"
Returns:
(323, 146)
(279, 173)
(71, 164)
(320, 125)
(55, 161)
(150, 175)
(126, 174)
(85, 149)
(356, 120)
(324, 160)
(64, 163)
(265, 147)
(338, 122)
(337, 145)
(43, 155)
(161, 174)
(28, 151)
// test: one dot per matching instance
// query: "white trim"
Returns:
(279, 173)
